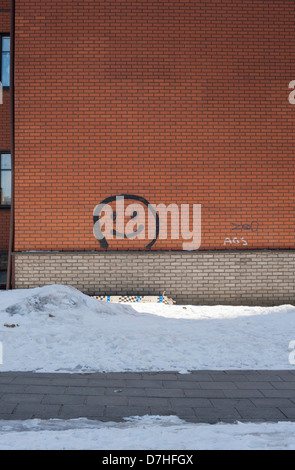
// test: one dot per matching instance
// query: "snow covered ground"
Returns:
(146, 433)
(59, 329)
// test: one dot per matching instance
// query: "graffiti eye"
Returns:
(133, 215)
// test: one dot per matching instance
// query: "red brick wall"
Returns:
(4, 229)
(4, 127)
(175, 101)
(4, 122)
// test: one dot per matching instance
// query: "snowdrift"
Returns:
(59, 329)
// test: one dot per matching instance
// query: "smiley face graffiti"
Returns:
(120, 222)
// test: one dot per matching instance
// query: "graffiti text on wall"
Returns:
(235, 241)
(253, 226)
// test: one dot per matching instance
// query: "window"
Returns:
(5, 179)
(5, 60)
(3, 277)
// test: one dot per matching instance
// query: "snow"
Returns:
(59, 329)
(144, 433)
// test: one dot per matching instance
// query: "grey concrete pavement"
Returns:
(202, 396)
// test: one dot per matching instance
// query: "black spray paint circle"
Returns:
(103, 242)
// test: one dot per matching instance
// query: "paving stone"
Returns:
(18, 373)
(96, 375)
(241, 371)
(283, 385)
(31, 410)
(11, 388)
(120, 375)
(69, 381)
(104, 382)
(182, 385)
(291, 371)
(286, 375)
(18, 397)
(95, 391)
(218, 375)
(264, 377)
(7, 408)
(197, 376)
(124, 375)
(231, 378)
(32, 380)
(46, 389)
(265, 372)
(33, 375)
(66, 375)
(64, 399)
(279, 393)
(149, 401)
(243, 394)
(257, 385)
(233, 402)
(167, 392)
(143, 384)
(159, 376)
(288, 412)
(215, 414)
(126, 392)
(79, 411)
(266, 413)
(107, 400)
(218, 385)
(7, 379)
(235, 376)
(190, 393)
(190, 402)
(272, 402)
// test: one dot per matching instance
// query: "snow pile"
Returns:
(48, 299)
(59, 329)
(146, 433)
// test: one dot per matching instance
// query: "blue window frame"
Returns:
(5, 60)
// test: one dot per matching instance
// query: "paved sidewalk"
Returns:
(202, 396)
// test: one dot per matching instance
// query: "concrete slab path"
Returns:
(201, 396)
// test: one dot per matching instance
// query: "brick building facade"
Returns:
(173, 101)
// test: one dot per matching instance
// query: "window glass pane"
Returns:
(2, 277)
(5, 161)
(5, 44)
(5, 79)
(6, 188)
